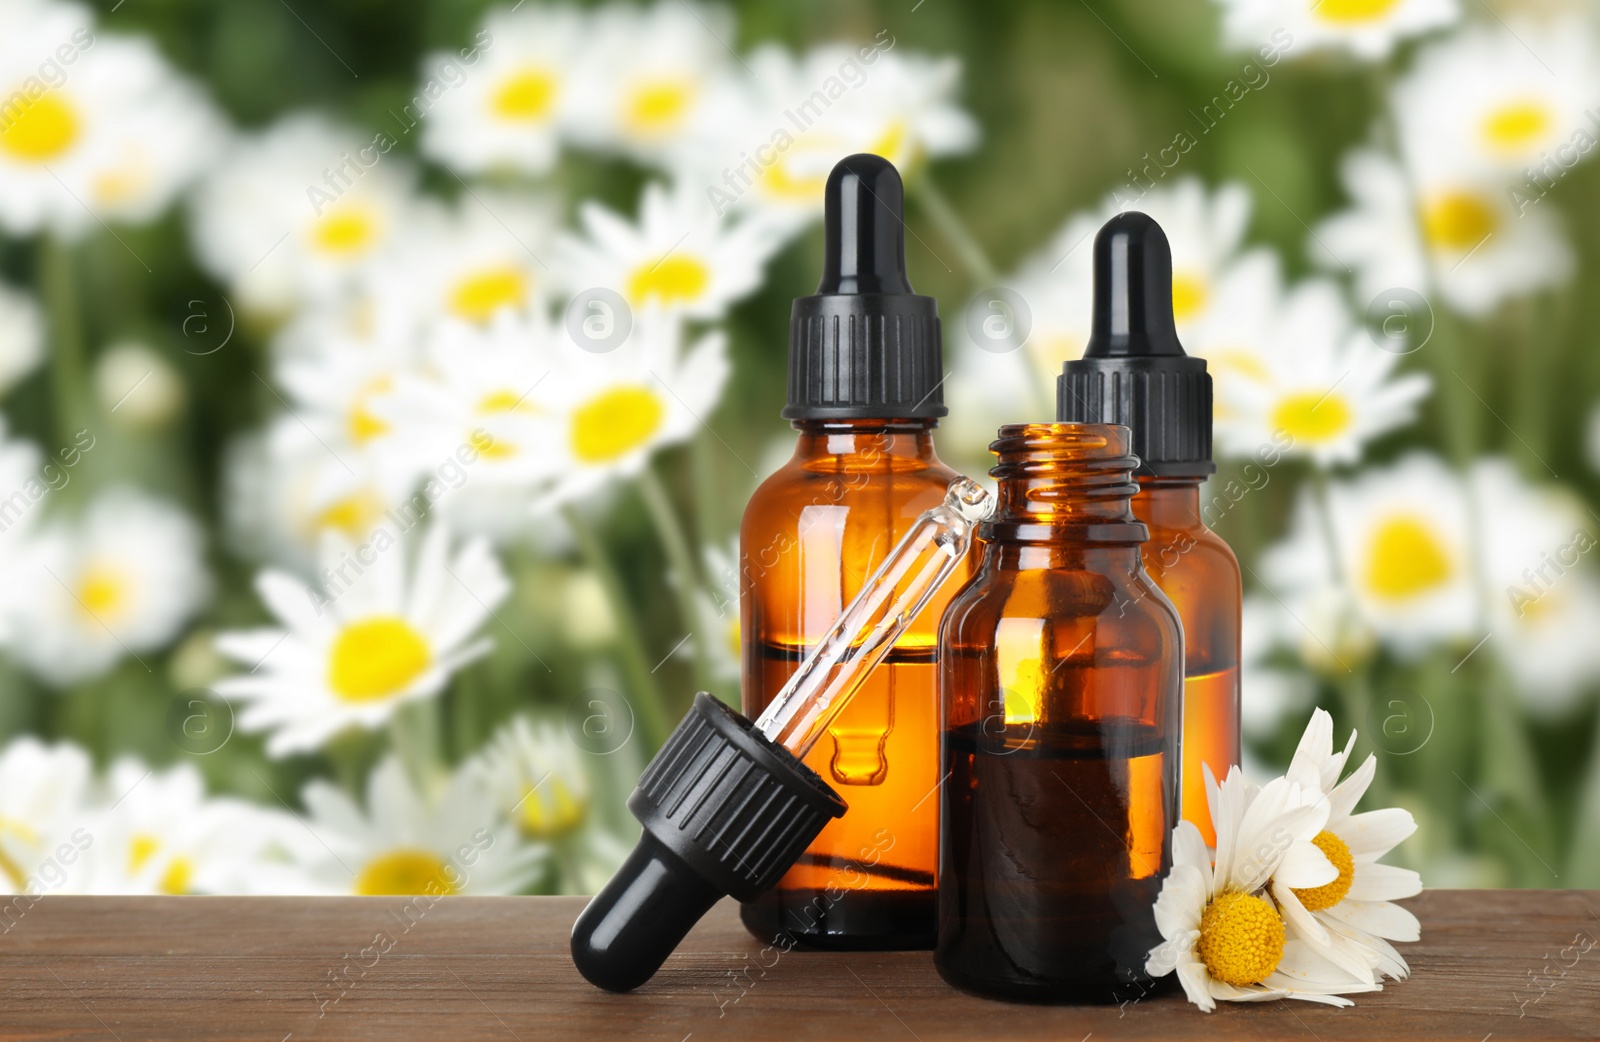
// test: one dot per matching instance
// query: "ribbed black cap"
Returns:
(866, 346)
(1134, 370)
(725, 811)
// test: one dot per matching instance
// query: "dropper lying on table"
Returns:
(726, 805)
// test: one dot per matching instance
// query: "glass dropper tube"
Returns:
(877, 617)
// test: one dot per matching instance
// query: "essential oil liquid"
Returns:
(1054, 851)
(1210, 737)
(868, 879)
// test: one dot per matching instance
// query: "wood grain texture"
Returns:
(470, 968)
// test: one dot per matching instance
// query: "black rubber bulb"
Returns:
(1132, 291)
(865, 228)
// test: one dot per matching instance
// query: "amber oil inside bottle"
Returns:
(1060, 674)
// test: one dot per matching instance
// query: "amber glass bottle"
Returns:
(864, 377)
(1135, 372)
(1060, 673)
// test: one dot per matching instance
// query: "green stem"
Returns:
(647, 703)
(58, 285)
(414, 736)
(954, 229)
(681, 557)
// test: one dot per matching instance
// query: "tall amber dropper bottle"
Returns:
(1135, 372)
(864, 393)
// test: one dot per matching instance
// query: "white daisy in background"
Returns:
(468, 412)
(1223, 936)
(298, 211)
(537, 780)
(44, 803)
(157, 832)
(122, 580)
(487, 255)
(1351, 918)
(1491, 102)
(113, 136)
(1368, 29)
(448, 840)
(1269, 693)
(655, 82)
(23, 484)
(284, 491)
(1463, 238)
(21, 336)
(805, 113)
(1327, 385)
(679, 256)
(605, 415)
(1400, 551)
(137, 387)
(1535, 545)
(510, 108)
(380, 631)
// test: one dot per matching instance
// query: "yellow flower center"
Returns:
(658, 106)
(1515, 126)
(615, 423)
(779, 182)
(1406, 559)
(141, 848)
(1457, 221)
(499, 403)
(478, 296)
(554, 818)
(1353, 12)
(345, 233)
(44, 129)
(891, 143)
(353, 515)
(119, 185)
(376, 658)
(1241, 939)
(526, 96)
(670, 280)
(1310, 416)
(1329, 894)
(102, 591)
(405, 872)
(361, 424)
(179, 876)
(1189, 295)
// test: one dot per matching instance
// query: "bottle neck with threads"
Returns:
(865, 446)
(1169, 502)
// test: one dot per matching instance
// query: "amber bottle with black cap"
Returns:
(1135, 372)
(864, 394)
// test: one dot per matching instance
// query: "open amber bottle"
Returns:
(1061, 667)
(864, 393)
(1135, 372)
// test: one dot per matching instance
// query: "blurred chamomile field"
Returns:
(381, 385)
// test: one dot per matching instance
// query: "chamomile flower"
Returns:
(807, 112)
(1463, 238)
(1328, 388)
(298, 211)
(1490, 102)
(1225, 938)
(1368, 29)
(656, 81)
(406, 841)
(379, 632)
(471, 263)
(536, 778)
(111, 133)
(605, 415)
(506, 110)
(1543, 598)
(44, 803)
(1403, 562)
(121, 581)
(159, 833)
(21, 336)
(678, 256)
(1351, 918)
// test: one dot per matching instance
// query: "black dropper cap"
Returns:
(725, 812)
(866, 346)
(1134, 371)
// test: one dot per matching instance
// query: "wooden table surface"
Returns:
(1492, 964)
